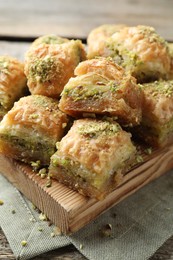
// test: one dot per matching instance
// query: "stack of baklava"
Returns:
(73, 110)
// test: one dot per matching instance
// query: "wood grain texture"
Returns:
(75, 18)
(69, 210)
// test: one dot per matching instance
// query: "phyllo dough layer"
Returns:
(30, 130)
(157, 122)
(12, 82)
(141, 51)
(92, 157)
(102, 87)
(170, 45)
(48, 67)
(97, 38)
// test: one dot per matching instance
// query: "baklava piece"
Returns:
(157, 123)
(170, 45)
(12, 83)
(30, 130)
(49, 39)
(92, 157)
(97, 38)
(102, 87)
(48, 67)
(141, 51)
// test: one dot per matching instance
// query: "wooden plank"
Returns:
(71, 211)
(74, 18)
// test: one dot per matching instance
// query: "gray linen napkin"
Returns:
(20, 222)
(138, 226)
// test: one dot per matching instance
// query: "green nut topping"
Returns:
(43, 70)
(95, 129)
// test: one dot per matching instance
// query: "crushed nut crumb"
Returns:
(24, 243)
(1, 202)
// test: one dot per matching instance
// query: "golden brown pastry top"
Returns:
(98, 36)
(48, 67)
(39, 112)
(12, 80)
(102, 87)
(140, 50)
(102, 66)
(93, 143)
(158, 101)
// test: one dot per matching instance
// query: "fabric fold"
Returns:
(20, 222)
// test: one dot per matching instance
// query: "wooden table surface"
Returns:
(21, 20)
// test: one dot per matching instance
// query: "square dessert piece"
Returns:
(12, 83)
(141, 51)
(49, 66)
(30, 130)
(92, 157)
(97, 38)
(102, 88)
(157, 122)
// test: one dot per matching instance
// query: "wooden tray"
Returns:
(71, 211)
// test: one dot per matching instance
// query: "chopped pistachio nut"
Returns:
(44, 69)
(148, 150)
(107, 230)
(40, 229)
(139, 159)
(13, 211)
(57, 231)
(80, 246)
(42, 217)
(33, 206)
(32, 219)
(36, 165)
(52, 234)
(42, 173)
(160, 87)
(33, 116)
(1, 202)
(4, 66)
(64, 125)
(94, 129)
(24, 243)
(43, 176)
(49, 181)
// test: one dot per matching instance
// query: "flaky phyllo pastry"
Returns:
(97, 38)
(48, 67)
(157, 122)
(170, 45)
(102, 87)
(30, 130)
(141, 51)
(125, 85)
(12, 82)
(92, 157)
